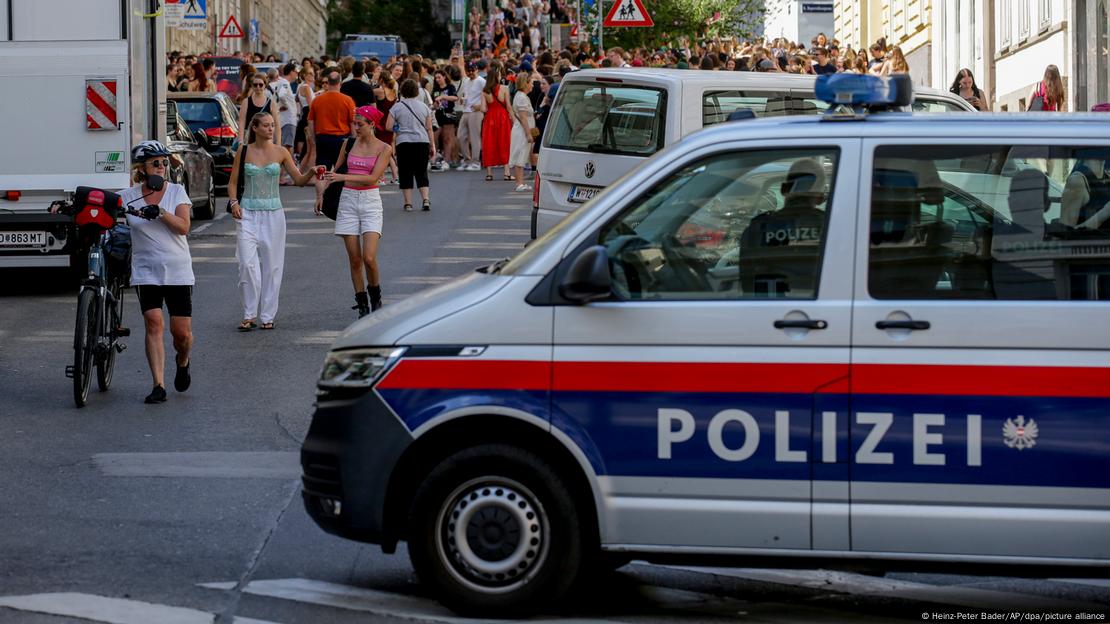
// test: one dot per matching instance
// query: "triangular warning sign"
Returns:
(628, 13)
(231, 29)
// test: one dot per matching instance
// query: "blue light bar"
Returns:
(856, 90)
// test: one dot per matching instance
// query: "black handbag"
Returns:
(330, 206)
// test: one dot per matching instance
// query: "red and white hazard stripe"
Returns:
(100, 104)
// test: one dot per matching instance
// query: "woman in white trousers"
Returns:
(260, 227)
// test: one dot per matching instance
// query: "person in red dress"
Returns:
(497, 128)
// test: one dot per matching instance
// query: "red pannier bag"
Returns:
(96, 207)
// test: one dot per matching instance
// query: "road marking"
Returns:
(219, 217)
(427, 279)
(111, 610)
(214, 260)
(364, 600)
(477, 245)
(492, 231)
(460, 259)
(321, 337)
(330, 230)
(523, 218)
(863, 585)
(223, 465)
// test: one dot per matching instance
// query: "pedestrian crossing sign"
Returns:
(628, 13)
(195, 9)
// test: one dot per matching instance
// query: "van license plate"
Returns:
(22, 239)
(582, 194)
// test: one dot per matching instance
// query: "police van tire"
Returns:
(523, 538)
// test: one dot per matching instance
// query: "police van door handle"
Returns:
(911, 325)
(800, 324)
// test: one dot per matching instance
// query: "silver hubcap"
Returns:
(492, 534)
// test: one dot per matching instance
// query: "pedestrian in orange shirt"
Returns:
(329, 119)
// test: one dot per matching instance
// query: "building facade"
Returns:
(799, 20)
(1007, 44)
(296, 28)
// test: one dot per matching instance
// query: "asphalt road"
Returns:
(190, 511)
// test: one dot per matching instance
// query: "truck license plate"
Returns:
(582, 194)
(22, 239)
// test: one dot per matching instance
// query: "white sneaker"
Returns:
(523, 187)
(474, 167)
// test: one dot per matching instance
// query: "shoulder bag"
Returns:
(330, 206)
(242, 174)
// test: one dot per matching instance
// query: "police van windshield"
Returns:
(607, 119)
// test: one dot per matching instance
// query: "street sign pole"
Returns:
(601, 26)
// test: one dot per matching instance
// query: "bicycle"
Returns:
(99, 326)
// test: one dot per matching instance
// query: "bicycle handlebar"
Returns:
(148, 212)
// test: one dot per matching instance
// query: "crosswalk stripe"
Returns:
(366, 600)
(477, 245)
(492, 231)
(111, 610)
(863, 585)
(524, 218)
(205, 464)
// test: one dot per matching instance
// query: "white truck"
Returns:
(82, 82)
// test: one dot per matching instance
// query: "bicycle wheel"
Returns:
(113, 318)
(84, 345)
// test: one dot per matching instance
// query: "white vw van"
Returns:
(604, 122)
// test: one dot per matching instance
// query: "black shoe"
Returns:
(427, 206)
(361, 304)
(182, 379)
(375, 297)
(157, 395)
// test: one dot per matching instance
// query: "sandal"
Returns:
(508, 178)
(269, 325)
(408, 208)
(489, 178)
(247, 325)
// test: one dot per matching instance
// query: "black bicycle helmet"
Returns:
(148, 149)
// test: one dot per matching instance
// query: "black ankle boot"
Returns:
(375, 297)
(361, 304)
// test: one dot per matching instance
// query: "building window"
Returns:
(1024, 18)
(1005, 25)
(976, 39)
(1045, 14)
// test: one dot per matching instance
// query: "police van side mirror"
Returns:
(588, 278)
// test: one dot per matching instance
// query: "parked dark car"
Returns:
(197, 169)
(216, 116)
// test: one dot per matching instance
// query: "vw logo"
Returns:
(590, 171)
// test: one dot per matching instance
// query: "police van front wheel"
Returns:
(494, 532)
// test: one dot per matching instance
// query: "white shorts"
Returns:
(359, 212)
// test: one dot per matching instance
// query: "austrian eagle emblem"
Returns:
(1019, 434)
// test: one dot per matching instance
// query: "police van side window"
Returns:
(743, 225)
(1003, 222)
(716, 106)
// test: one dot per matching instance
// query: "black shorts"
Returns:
(178, 299)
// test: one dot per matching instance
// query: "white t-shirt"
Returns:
(472, 94)
(288, 99)
(159, 257)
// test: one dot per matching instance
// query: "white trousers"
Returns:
(260, 250)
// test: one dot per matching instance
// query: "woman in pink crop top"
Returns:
(358, 220)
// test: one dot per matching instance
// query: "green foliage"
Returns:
(410, 19)
(693, 20)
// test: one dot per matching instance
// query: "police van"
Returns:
(850, 339)
(604, 122)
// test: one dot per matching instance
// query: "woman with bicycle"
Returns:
(161, 266)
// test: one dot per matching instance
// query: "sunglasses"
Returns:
(260, 84)
(158, 163)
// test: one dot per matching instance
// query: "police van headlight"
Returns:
(357, 368)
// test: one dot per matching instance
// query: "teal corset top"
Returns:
(261, 190)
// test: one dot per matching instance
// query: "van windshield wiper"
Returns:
(495, 267)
